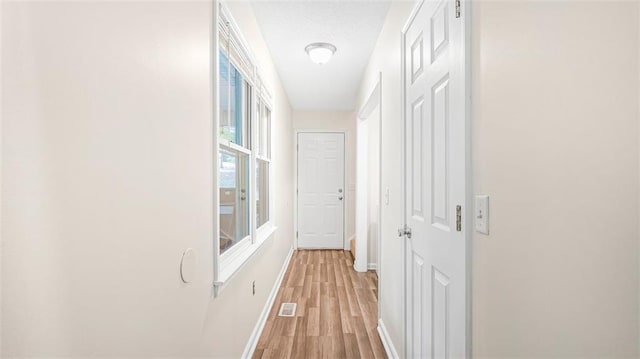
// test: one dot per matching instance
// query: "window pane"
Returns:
(263, 129)
(246, 115)
(232, 102)
(262, 180)
(234, 199)
(267, 133)
(224, 92)
(258, 123)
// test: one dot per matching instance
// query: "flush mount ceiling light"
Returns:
(320, 52)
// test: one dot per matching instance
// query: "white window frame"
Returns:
(265, 227)
(227, 264)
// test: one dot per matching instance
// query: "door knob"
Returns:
(340, 198)
(404, 231)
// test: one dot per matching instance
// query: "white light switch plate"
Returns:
(481, 214)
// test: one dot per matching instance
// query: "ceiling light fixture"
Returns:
(320, 52)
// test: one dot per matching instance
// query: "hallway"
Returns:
(336, 315)
(173, 172)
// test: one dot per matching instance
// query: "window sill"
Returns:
(233, 266)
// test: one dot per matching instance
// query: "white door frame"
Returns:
(467, 222)
(345, 244)
(374, 101)
(361, 263)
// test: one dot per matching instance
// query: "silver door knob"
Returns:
(340, 198)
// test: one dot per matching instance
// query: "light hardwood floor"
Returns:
(336, 315)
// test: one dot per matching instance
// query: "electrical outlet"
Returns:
(254, 287)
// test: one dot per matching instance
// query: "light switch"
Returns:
(481, 214)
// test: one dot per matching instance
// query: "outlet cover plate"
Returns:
(481, 214)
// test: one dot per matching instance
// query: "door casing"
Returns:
(372, 103)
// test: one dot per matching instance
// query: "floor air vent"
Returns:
(287, 310)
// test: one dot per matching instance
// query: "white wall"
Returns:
(333, 121)
(1, 182)
(558, 153)
(106, 173)
(386, 59)
(555, 144)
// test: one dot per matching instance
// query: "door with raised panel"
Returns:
(321, 178)
(435, 185)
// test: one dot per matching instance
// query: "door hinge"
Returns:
(459, 218)
(404, 231)
(296, 234)
(458, 8)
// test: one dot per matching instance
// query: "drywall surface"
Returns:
(107, 178)
(555, 145)
(336, 121)
(386, 59)
(1, 195)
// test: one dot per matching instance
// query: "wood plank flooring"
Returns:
(336, 315)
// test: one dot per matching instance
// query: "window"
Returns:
(233, 156)
(263, 162)
(243, 155)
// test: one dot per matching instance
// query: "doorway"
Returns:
(320, 190)
(368, 179)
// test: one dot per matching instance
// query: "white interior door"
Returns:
(435, 186)
(321, 178)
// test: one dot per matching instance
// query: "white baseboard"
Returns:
(372, 266)
(386, 341)
(262, 320)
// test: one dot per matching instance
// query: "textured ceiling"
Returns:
(352, 26)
